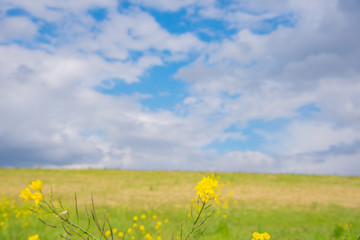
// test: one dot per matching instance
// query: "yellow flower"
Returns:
(230, 193)
(261, 236)
(158, 224)
(142, 227)
(154, 216)
(205, 189)
(107, 233)
(143, 216)
(120, 234)
(36, 185)
(129, 230)
(26, 194)
(35, 237)
(114, 230)
(37, 197)
(135, 218)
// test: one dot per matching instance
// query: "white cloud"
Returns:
(163, 5)
(138, 31)
(249, 160)
(330, 163)
(338, 99)
(17, 28)
(307, 137)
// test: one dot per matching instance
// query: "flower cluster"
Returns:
(36, 196)
(35, 237)
(206, 189)
(261, 236)
(11, 213)
(143, 227)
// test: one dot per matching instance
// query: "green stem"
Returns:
(195, 222)
(69, 222)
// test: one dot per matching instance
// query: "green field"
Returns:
(286, 206)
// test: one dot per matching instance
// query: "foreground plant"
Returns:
(205, 190)
(62, 219)
(52, 213)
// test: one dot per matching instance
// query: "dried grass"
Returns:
(141, 189)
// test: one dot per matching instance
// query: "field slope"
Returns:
(288, 206)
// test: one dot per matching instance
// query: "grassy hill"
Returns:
(285, 205)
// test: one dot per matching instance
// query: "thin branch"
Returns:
(76, 209)
(195, 222)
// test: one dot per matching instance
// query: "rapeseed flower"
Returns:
(36, 185)
(261, 236)
(26, 194)
(35, 237)
(148, 236)
(37, 197)
(206, 189)
(158, 224)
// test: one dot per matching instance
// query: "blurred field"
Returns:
(137, 189)
(310, 207)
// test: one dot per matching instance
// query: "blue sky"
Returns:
(248, 86)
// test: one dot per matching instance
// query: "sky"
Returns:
(242, 86)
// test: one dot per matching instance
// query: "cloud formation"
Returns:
(264, 87)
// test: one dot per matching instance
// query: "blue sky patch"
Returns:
(47, 28)
(15, 12)
(165, 92)
(308, 110)
(271, 24)
(254, 139)
(99, 14)
(206, 29)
